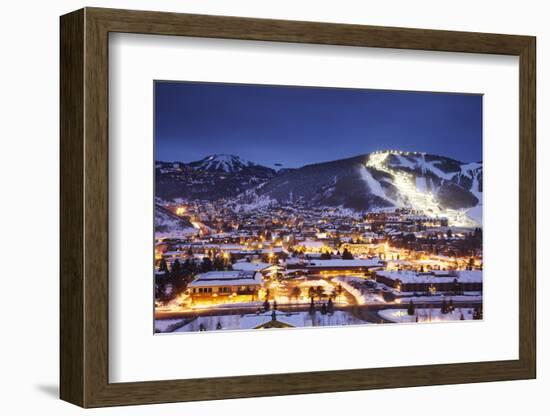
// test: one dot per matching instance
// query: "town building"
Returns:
(432, 282)
(341, 265)
(225, 286)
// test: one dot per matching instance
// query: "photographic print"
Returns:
(289, 207)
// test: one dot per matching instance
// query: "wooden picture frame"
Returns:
(84, 207)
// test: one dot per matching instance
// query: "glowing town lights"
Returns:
(181, 211)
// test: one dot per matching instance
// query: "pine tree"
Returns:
(218, 264)
(410, 309)
(444, 306)
(339, 289)
(312, 307)
(346, 255)
(206, 265)
(176, 269)
(319, 292)
(296, 292)
(163, 267)
(478, 313)
(330, 307)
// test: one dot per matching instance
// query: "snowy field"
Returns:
(251, 321)
(163, 325)
(426, 315)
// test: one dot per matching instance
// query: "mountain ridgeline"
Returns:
(370, 181)
(212, 178)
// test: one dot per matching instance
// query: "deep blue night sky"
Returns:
(295, 126)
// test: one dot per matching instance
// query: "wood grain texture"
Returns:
(527, 208)
(71, 208)
(84, 207)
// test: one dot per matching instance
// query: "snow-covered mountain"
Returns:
(434, 185)
(222, 163)
(213, 177)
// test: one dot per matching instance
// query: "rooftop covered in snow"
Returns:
(228, 278)
(248, 266)
(463, 276)
(341, 263)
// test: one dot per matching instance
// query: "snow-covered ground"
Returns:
(425, 315)
(374, 186)
(251, 321)
(361, 295)
(439, 298)
(476, 213)
(176, 233)
(162, 325)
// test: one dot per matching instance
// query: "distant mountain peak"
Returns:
(225, 163)
(220, 162)
(224, 157)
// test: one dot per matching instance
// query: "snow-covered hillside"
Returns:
(170, 225)
(211, 178)
(223, 163)
(436, 185)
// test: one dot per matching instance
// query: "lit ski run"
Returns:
(414, 198)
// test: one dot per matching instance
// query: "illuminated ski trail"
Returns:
(416, 199)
